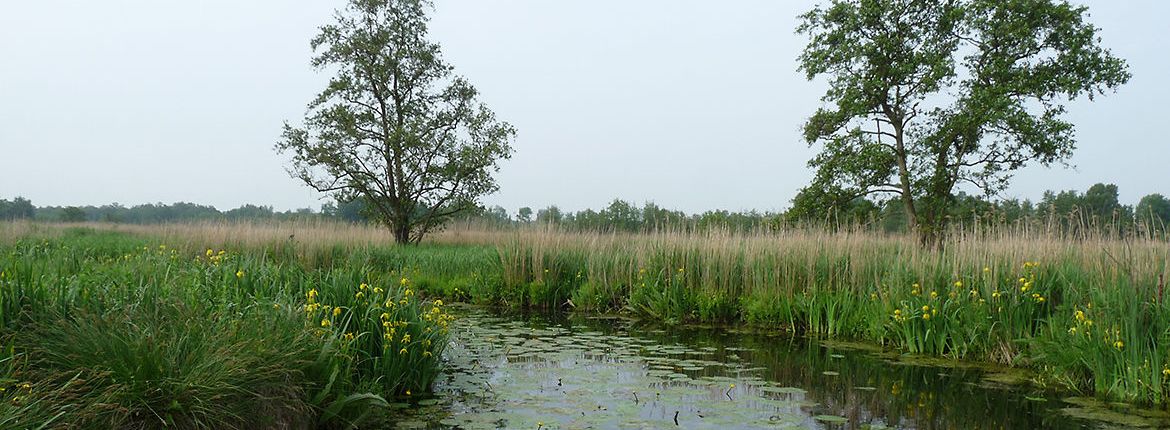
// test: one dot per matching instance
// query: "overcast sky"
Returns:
(694, 105)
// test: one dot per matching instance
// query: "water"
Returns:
(552, 372)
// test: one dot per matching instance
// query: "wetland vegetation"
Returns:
(327, 325)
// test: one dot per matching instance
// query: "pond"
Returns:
(554, 372)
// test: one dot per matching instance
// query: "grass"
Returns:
(108, 330)
(1086, 313)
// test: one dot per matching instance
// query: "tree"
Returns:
(524, 215)
(18, 208)
(549, 215)
(1155, 210)
(926, 95)
(395, 125)
(73, 214)
(1100, 203)
(831, 208)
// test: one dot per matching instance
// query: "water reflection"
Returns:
(541, 371)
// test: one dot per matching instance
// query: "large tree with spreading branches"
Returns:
(927, 95)
(395, 126)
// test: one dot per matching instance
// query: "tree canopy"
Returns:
(927, 95)
(395, 126)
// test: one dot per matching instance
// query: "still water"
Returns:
(558, 372)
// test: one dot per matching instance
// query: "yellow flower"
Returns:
(933, 295)
(438, 302)
(925, 308)
(986, 270)
(401, 352)
(897, 312)
(408, 392)
(276, 306)
(385, 316)
(408, 292)
(337, 311)
(926, 316)
(1072, 330)
(1119, 344)
(359, 295)
(403, 281)
(426, 353)
(958, 284)
(1166, 371)
(406, 338)
(326, 323)
(378, 290)
(732, 385)
(239, 273)
(680, 270)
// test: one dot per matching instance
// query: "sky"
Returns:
(694, 105)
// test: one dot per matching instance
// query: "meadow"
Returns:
(316, 322)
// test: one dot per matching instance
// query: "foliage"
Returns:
(925, 96)
(395, 126)
(73, 214)
(18, 208)
(1155, 209)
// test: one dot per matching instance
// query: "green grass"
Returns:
(107, 330)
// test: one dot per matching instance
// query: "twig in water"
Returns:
(676, 418)
(635, 397)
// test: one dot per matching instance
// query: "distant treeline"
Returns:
(1098, 208)
(151, 213)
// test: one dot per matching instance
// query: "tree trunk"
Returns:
(402, 233)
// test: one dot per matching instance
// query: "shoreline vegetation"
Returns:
(309, 320)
